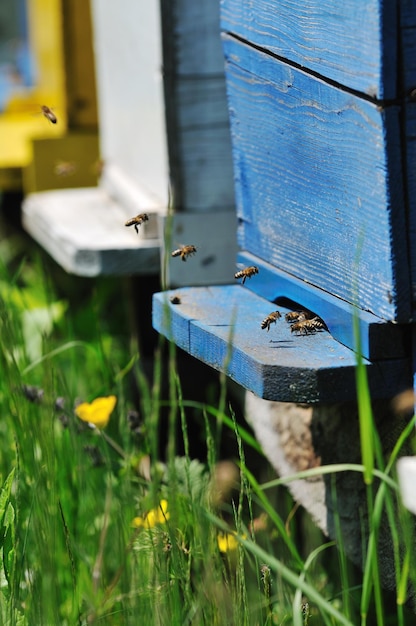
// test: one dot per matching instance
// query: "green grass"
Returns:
(69, 550)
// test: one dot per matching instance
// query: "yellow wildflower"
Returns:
(96, 413)
(159, 515)
(227, 542)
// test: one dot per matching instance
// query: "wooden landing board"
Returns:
(84, 231)
(221, 326)
(351, 42)
(319, 182)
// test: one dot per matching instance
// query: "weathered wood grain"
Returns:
(196, 107)
(221, 326)
(203, 157)
(319, 182)
(352, 42)
(207, 174)
(201, 101)
(196, 28)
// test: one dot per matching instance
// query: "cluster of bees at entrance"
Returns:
(301, 322)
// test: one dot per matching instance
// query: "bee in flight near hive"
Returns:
(246, 272)
(184, 252)
(307, 326)
(137, 221)
(49, 114)
(270, 319)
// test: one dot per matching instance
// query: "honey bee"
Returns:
(137, 221)
(98, 167)
(184, 252)
(270, 319)
(308, 326)
(247, 272)
(296, 316)
(49, 114)
(175, 299)
(65, 168)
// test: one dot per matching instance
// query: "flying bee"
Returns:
(184, 252)
(137, 221)
(270, 319)
(246, 272)
(308, 326)
(49, 114)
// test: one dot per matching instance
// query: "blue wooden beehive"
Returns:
(322, 109)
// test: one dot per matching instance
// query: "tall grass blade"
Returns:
(275, 518)
(365, 413)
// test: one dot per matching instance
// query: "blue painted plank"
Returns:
(410, 126)
(379, 339)
(319, 182)
(408, 13)
(351, 42)
(408, 69)
(221, 326)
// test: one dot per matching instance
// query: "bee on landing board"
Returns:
(297, 316)
(246, 272)
(308, 326)
(270, 319)
(184, 252)
(137, 221)
(49, 114)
